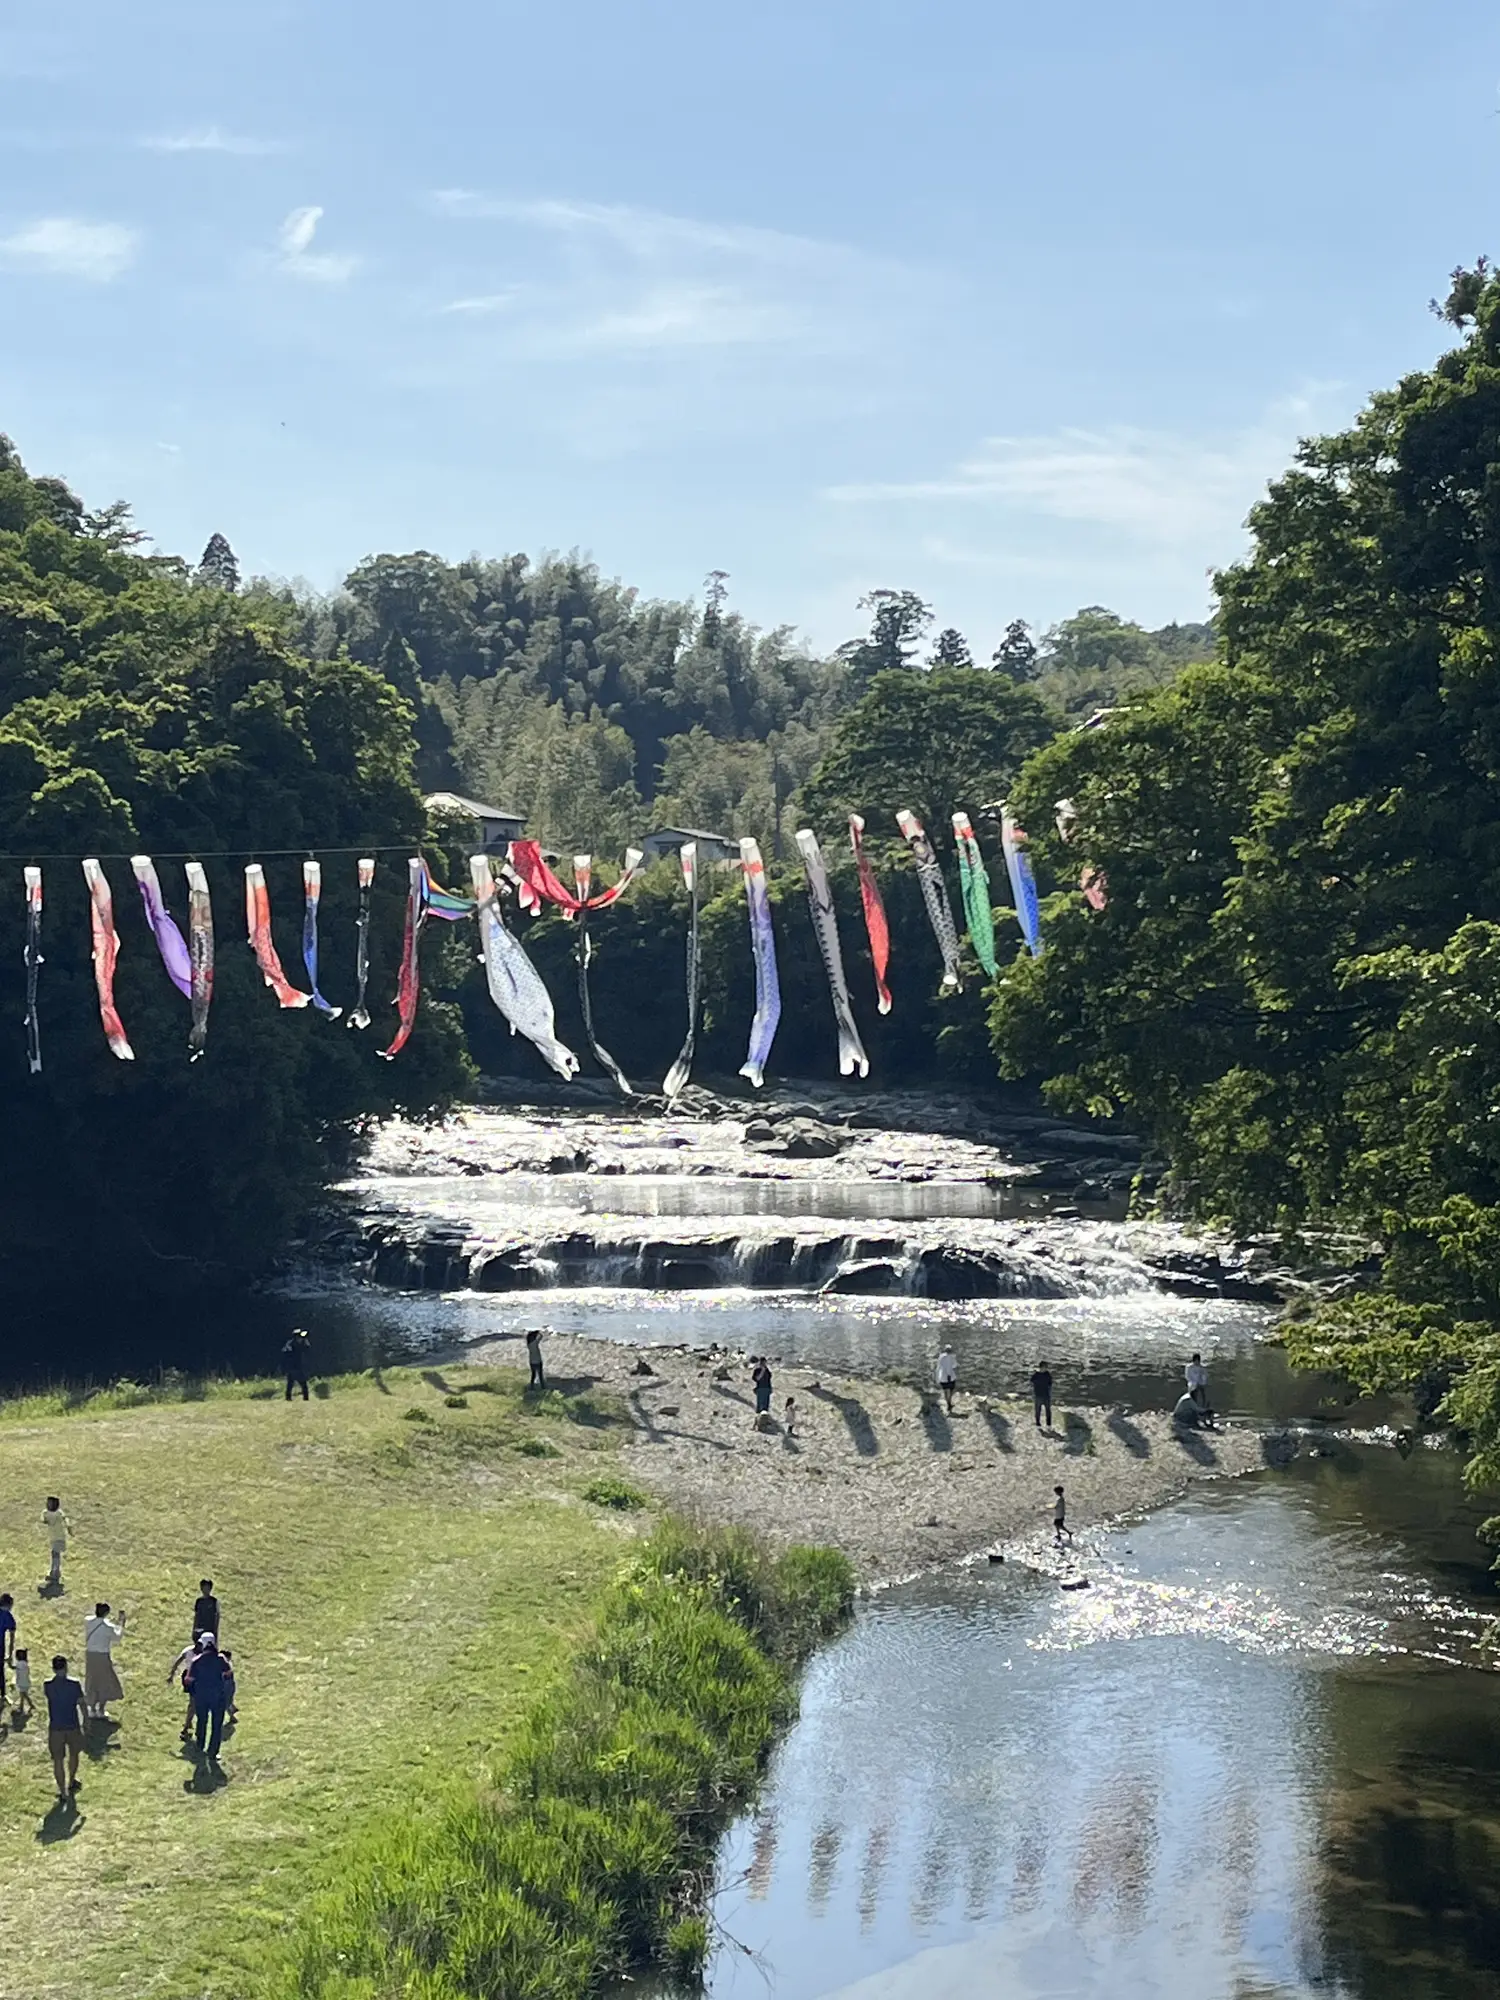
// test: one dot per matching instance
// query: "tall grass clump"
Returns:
(593, 1854)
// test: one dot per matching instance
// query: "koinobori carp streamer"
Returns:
(409, 980)
(360, 1017)
(538, 884)
(763, 949)
(583, 878)
(201, 954)
(934, 893)
(678, 1074)
(258, 924)
(312, 895)
(876, 928)
(169, 940)
(515, 985)
(852, 1055)
(33, 959)
(106, 951)
(1022, 881)
(974, 881)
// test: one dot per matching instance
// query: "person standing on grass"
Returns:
(1060, 1517)
(295, 1356)
(101, 1684)
(206, 1609)
(207, 1678)
(181, 1670)
(947, 1376)
(64, 1723)
(1041, 1394)
(534, 1356)
(55, 1527)
(7, 1641)
(23, 1684)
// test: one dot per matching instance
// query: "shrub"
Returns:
(607, 1491)
(537, 1448)
(455, 1402)
(416, 1415)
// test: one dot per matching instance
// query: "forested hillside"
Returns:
(1295, 986)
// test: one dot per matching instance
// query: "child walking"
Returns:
(55, 1527)
(1060, 1518)
(22, 1666)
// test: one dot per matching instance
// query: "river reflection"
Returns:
(1242, 1763)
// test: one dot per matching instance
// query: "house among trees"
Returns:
(711, 846)
(496, 829)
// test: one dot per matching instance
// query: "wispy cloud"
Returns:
(297, 256)
(65, 247)
(637, 280)
(1150, 486)
(212, 139)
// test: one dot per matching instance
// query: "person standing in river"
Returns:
(294, 1359)
(534, 1356)
(1041, 1394)
(947, 1376)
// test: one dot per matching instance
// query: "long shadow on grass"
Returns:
(856, 1417)
(61, 1823)
(1130, 1435)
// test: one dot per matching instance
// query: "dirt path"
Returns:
(880, 1471)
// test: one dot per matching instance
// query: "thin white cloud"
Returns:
(1150, 486)
(295, 240)
(211, 139)
(610, 277)
(63, 246)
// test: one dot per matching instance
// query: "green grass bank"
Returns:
(493, 1714)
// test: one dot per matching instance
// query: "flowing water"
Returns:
(1258, 1758)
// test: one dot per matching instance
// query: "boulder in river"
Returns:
(508, 1272)
(949, 1273)
(876, 1277)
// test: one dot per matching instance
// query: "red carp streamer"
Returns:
(538, 884)
(258, 923)
(875, 923)
(409, 984)
(106, 951)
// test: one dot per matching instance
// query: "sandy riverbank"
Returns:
(878, 1470)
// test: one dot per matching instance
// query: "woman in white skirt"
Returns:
(101, 1683)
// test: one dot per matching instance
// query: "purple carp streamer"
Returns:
(767, 983)
(33, 958)
(515, 984)
(258, 924)
(106, 951)
(583, 952)
(409, 981)
(852, 1055)
(934, 894)
(201, 954)
(312, 894)
(677, 1075)
(169, 940)
(974, 881)
(1022, 882)
(360, 1018)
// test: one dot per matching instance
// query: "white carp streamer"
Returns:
(852, 1055)
(934, 894)
(515, 984)
(678, 1074)
(763, 946)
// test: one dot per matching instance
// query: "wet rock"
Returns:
(670, 1410)
(1181, 1286)
(958, 1274)
(759, 1131)
(643, 1368)
(874, 1278)
(508, 1272)
(685, 1274)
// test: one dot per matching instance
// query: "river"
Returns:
(1258, 1756)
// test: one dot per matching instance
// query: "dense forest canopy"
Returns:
(1296, 983)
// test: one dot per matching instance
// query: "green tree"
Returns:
(218, 566)
(935, 742)
(898, 620)
(951, 649)
(1016, 654)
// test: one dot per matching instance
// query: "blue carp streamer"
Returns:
(312, 893)
(1022, 881)
(763, 945)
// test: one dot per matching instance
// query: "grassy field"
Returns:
(396, 1576)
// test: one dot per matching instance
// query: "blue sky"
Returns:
(1014, 305)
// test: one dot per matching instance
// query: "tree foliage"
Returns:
(1295, 981)
(138, 713)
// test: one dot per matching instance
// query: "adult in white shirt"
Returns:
(947, 1375)
(101, 1683)
(1197, 1382)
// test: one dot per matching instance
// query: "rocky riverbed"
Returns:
(879, 1469)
